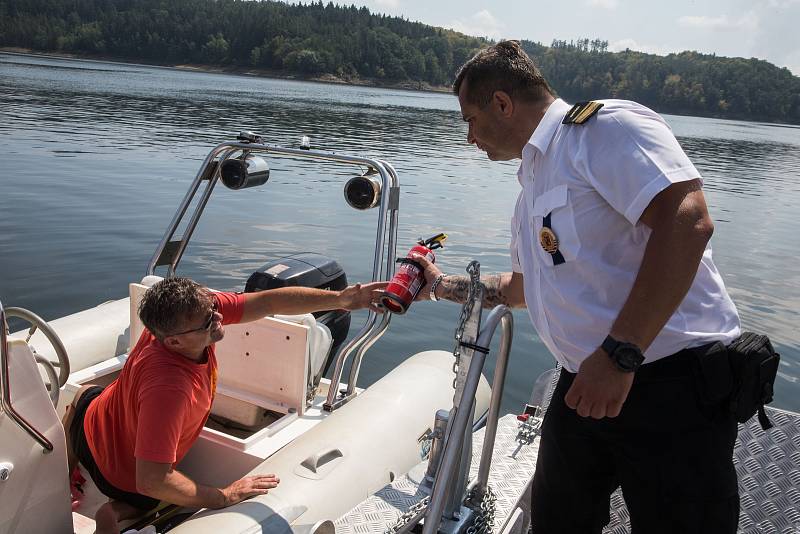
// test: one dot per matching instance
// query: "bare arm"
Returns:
(681, 228)
(295, 300)
(161, 481)
(504, 288)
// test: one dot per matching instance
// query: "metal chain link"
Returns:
(474, 271)
(408, 515)
(484, 518)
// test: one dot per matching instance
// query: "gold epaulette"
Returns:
(582, 112)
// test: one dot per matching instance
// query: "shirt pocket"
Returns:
(552, 211)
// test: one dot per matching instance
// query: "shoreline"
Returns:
(327, 79)
(236, 70)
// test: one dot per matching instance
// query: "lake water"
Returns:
(98, 155)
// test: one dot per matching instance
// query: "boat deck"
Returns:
(768, 465)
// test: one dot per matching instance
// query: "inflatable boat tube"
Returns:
(354, 452)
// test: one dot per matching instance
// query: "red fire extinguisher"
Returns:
(410, 277)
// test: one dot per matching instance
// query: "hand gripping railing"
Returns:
(170, 251)
(5, 388)
(443, 484)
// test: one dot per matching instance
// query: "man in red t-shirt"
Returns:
(130, 435)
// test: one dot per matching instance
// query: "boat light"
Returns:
(363, 192)
(245, 171)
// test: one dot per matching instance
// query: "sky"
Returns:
(764, 29)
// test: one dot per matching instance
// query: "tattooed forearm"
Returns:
(494, 294)
(456, 288)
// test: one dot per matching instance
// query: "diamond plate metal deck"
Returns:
(512, 468)
(768, 465)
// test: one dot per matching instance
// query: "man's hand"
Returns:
(247, 487)
(431, 272)
(599, 389)
(162, 482)
(360, 296)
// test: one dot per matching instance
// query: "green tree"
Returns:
(215, 50)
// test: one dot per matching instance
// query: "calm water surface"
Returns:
(98, 155)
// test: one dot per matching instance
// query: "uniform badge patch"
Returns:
(548, 240)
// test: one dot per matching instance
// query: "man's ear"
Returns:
(503, 103)
(171, 341)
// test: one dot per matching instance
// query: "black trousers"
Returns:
(669, 449)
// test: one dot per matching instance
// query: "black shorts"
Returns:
(671, 453)
(81, 449)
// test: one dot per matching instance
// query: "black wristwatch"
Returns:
(626, 356)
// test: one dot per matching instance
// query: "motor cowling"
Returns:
(308, 269)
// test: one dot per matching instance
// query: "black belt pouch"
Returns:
(754, 364)
(715, 379)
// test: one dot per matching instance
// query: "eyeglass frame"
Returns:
(206, 326)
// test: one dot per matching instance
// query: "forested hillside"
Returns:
(353, 44)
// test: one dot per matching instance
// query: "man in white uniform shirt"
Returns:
(610, 255)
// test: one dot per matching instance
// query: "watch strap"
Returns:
(610, 345)
(623, 362)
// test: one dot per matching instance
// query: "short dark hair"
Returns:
(170, 302)
(502, 67)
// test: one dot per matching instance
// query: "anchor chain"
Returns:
(474, 271)
(484, 514)
(413, 511)
(484, 517)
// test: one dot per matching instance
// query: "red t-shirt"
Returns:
(157, 406)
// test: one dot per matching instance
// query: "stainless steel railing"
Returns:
(170, 250)
(443, 485)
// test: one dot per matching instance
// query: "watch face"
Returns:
(628, 357)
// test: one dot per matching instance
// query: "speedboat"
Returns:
(424, 446)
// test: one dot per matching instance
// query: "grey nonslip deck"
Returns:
(768, 465)
(512, 467)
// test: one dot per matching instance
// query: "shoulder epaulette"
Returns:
(582, 112)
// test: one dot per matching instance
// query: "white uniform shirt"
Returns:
(595, 181)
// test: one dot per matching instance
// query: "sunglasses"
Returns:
(206, 325)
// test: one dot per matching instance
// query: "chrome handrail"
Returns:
(506, 319)
(389, 207)
(368, 335)
(453, 446)
(5, 389)
(355, 366)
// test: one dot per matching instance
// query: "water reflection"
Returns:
(100, 154)
(746, 168)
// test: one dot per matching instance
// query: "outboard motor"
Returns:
(308, 269)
